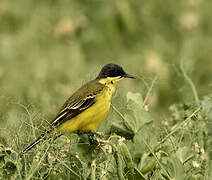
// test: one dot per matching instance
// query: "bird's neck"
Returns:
(110, 82)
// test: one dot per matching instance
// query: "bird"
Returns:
(84, 111)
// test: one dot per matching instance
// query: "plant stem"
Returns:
(93, 170)
(191, 84)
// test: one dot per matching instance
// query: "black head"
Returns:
(113, 70)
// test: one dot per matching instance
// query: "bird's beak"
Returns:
(129, 76)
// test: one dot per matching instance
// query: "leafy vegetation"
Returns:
(137, 148)
(159, 126)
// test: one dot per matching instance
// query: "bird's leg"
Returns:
(92, 136)
(96, 138)
(99, 135)
(79, 132)
(92, 139)
(89, 133)
(82, 132)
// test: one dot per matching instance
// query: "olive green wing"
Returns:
(81, 100)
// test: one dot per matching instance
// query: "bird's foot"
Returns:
(89, 133)
(93, 137)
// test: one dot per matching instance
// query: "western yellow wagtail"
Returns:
(88, 106)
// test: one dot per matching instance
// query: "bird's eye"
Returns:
(111, 82)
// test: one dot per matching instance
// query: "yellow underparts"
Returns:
(91, 118)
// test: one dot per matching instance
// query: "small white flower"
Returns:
(195, 164)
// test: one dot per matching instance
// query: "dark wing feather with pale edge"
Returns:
(81, 100)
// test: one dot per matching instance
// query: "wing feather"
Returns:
(69, 113)
(78, 103)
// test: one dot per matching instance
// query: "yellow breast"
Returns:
(90, 119)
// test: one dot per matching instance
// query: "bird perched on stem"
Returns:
(88, 106)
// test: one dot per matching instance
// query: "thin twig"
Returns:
(118, 112)
(30, 118)
(191, 84)
(93, 170)
(35, 169)
(150, 149)
(65, 165)
(121, 115)
(140, 173)
(179, 126)
(145, 83)
(19, 171)
(149, 90)
(118, 162)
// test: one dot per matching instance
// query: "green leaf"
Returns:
(207, 107)
(184, 154)
(145, 134)
(175, 168)
(121, 130)
(135, 97)
(137, 175)
(147, 163)
(136, 116)
(9, 162)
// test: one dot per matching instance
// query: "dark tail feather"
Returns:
(38, 140)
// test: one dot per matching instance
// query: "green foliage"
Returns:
(10, 166)
(49, 48)
(185, 154)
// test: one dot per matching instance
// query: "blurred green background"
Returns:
(50, 48)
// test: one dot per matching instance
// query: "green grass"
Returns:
(159, 126)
